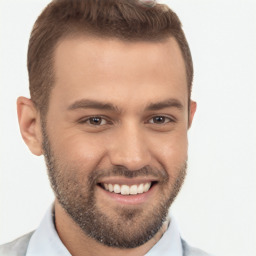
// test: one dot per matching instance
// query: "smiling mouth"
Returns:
(126, 189)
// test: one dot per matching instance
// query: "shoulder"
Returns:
(192, 251)
(17, 247)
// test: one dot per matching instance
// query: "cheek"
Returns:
(79, 149)
(172, 151)
(176, 147)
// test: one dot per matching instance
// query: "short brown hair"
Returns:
(123, 19)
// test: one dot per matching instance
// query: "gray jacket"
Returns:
(19, 247)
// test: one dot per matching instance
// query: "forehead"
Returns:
(118, 70)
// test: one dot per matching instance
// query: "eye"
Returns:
(160, 120)
(95, 121)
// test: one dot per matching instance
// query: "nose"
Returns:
(129, 148)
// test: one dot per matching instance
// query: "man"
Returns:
(110, 106)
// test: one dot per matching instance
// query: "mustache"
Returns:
(122, 171)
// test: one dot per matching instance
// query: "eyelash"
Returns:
(102, 118)
(83, 121)
(171, 120)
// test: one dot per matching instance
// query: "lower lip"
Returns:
(130, 199)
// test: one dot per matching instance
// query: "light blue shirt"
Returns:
(45, 241)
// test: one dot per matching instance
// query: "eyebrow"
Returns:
(85, 103)
(93, 104)
(165, 104)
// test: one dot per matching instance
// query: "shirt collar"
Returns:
(169, 244)
(45, 240)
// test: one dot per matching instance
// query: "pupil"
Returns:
(95, 120)
(159, 119)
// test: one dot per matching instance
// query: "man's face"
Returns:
(117, 120)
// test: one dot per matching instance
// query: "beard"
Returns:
(125, 227)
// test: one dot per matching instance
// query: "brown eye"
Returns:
(96, 120)
(160, 120)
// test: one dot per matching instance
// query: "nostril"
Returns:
(130, 150)
(131, 163)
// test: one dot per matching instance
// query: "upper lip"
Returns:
(126, 181)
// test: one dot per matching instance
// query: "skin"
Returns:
(130, 76)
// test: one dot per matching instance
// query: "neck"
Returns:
(79, 244)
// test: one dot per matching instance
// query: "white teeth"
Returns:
(133, 190)
(125, 190)
(117, 189)
(140, 189)
(110, 188)
(146, 186)
(128, 190)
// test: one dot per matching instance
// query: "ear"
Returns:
(192, 109)
(30, 127)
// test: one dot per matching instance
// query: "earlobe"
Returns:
(29, 122)
(193, 106)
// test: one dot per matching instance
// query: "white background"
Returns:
(216, 209)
